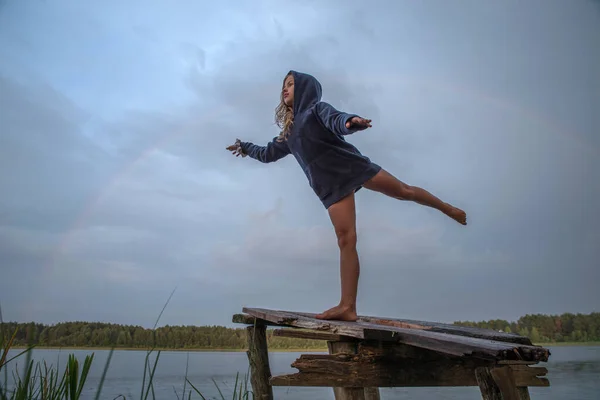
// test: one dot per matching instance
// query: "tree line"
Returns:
(95, 334)
(539, 328)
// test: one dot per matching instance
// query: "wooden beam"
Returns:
(284, 318)
(480, 333)
(259, 362)
(249, 320)
(427, 339)
(359, 370)
(458, 330)
(516, 362)
(312, 335)
(391, 350)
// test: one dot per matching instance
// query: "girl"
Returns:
(313, 131)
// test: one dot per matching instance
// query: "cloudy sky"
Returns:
(117, 188)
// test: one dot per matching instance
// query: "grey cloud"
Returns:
(107, 212)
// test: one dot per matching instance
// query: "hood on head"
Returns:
(307, 91)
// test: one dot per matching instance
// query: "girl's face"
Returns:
(288, 91)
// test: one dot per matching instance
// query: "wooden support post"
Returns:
(258, 356)
(524, 393)
(487, 385)
(351, 393)
(505, 380)
(372, 393)
(499, 384)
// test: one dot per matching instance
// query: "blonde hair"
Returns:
(284, 116)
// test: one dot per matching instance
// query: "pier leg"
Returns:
(524, 393)
(347, 393)
(372, 393)
(499, 384)
(258, 356)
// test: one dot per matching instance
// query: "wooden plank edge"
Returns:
(461, 345)
(516, 362)
(250, 320)
(284, 318)
(458, 330)
(312, 335)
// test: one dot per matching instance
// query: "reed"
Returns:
(40, 381)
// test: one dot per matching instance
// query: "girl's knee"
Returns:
(346, 238)
(406, 192)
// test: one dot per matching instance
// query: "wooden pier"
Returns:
(376, 352)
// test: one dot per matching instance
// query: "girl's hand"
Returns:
(236, 148)
(358, 123)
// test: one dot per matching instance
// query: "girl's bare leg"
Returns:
(343, 217)
(386, 183)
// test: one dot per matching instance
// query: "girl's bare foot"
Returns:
(456, 214)
(339, 313)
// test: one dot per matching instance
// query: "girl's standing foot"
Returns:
(340, 313)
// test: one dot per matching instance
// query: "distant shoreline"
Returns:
(559, 344)
(324, 349)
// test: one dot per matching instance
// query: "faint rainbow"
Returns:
(428, 83)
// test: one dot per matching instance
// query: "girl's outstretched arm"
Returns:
(339, 122)
(272, 152)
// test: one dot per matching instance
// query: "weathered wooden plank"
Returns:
(396, 350)
(285, 318)
(385, 367)
(460, 345)
(441, 371)
(425, 325)
(407, 380)
(480, 333)
(440, 342)
(526, 369)
(258, 357)
(300, 334)
(249, 320)
(516, 362)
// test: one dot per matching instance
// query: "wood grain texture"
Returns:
(341, 392)
(364, 365)
(487, 386)
(505, 380)
(311, 335)
(258, 358)
(446, 343)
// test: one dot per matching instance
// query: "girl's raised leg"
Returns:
(386, 183)
(343, 217)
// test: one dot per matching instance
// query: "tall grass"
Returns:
(38, 381)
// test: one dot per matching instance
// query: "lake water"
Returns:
(574, 373)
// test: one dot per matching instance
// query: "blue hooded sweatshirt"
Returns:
(334, 167)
